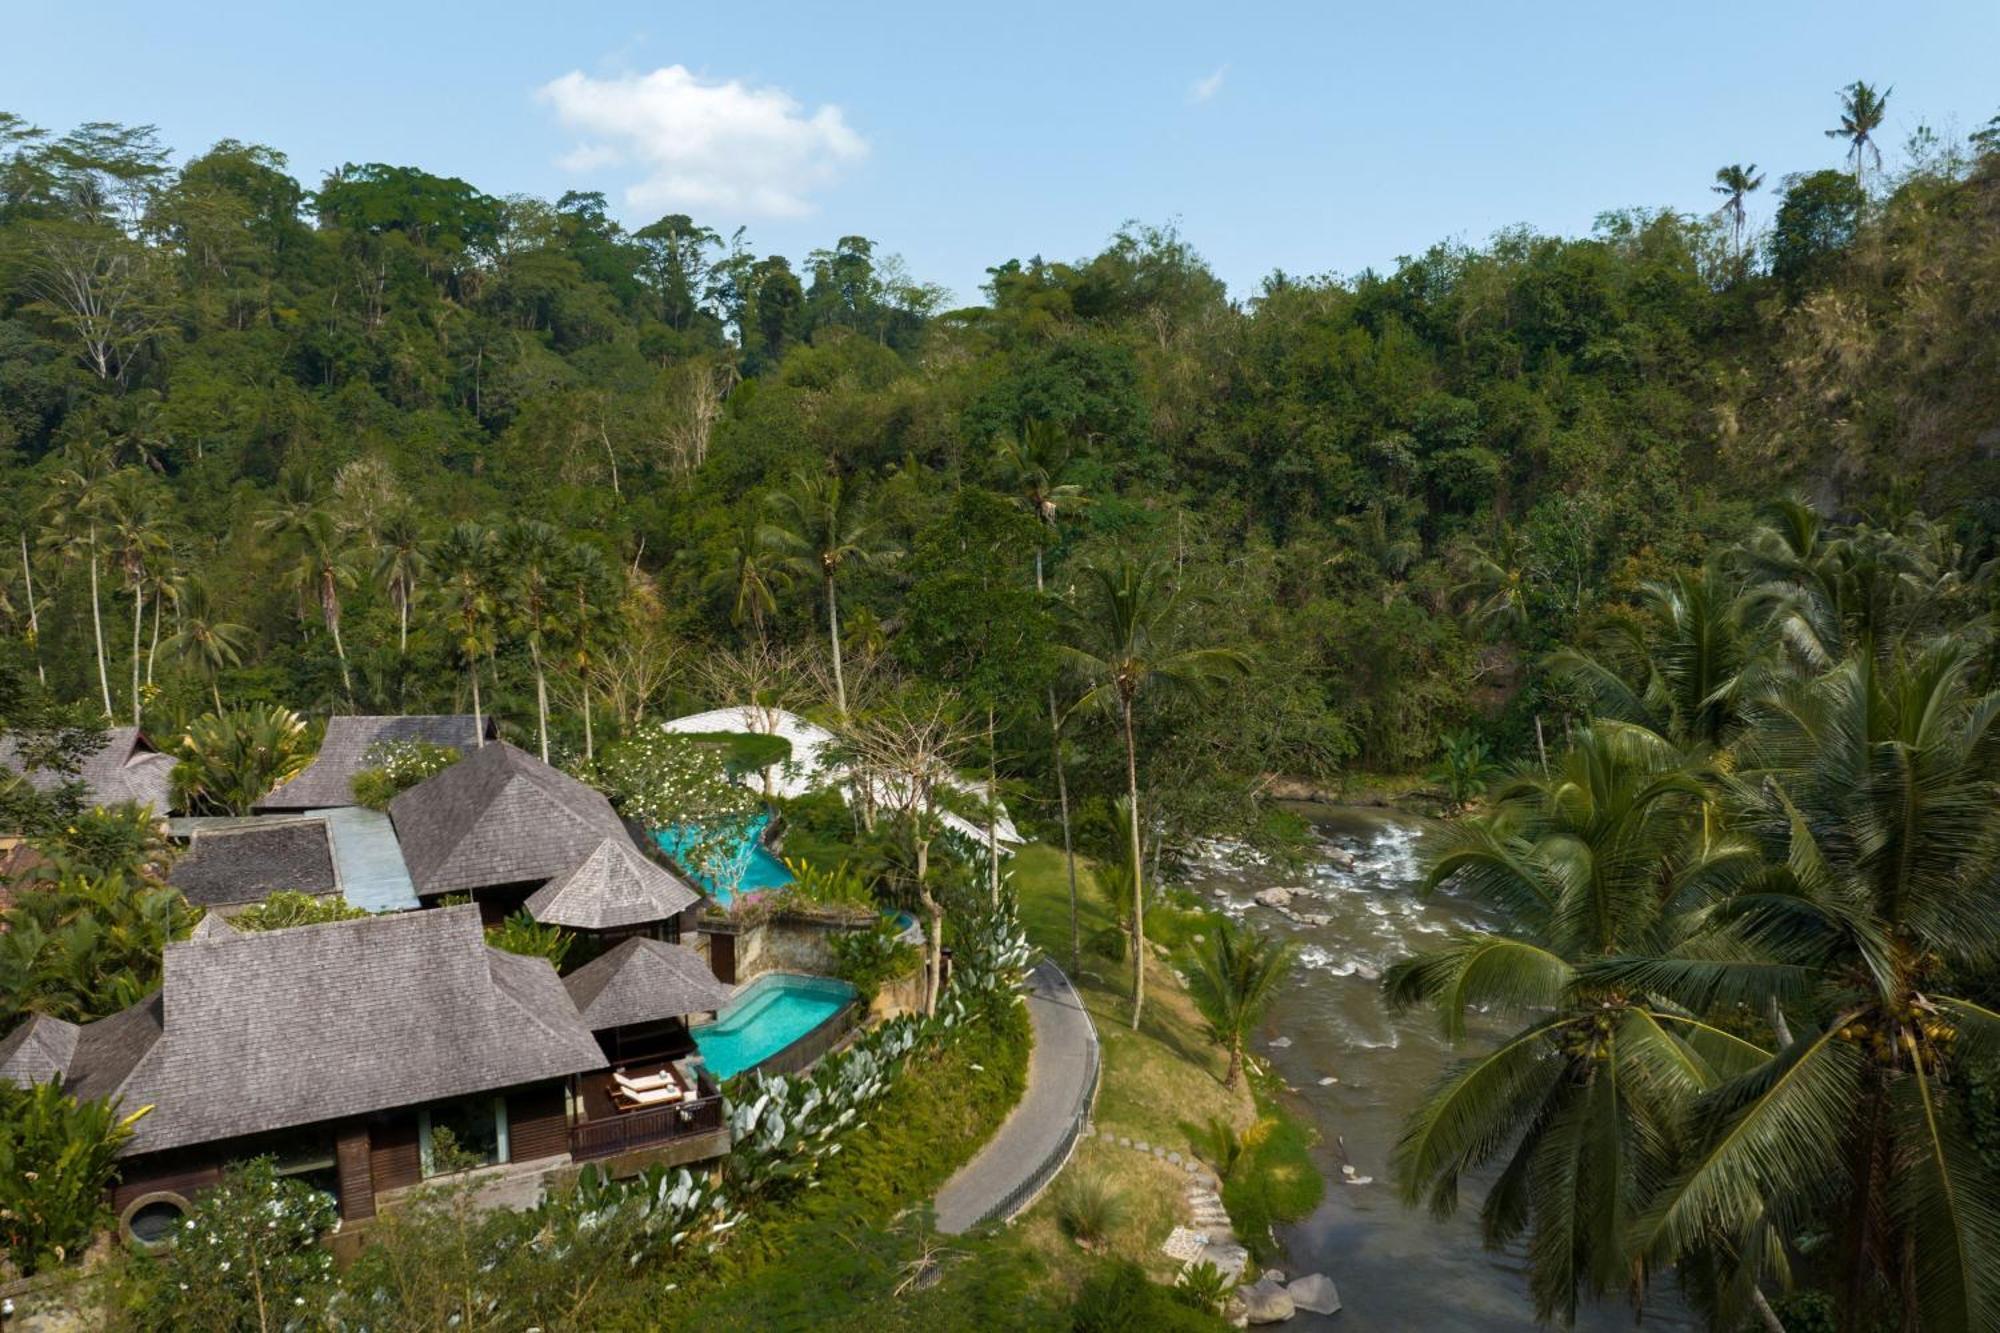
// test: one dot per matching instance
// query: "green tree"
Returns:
(1869, 789)
(467, 556)
(77, 492)
(1736, 183)
(401, 561)
(1862, 111)
(1233, 981)
(531, 601)
(1584, 1104)
(205, 643)
(323, 566)
(1126, 637)
(820, 527)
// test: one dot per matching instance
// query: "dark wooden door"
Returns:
(722, 958)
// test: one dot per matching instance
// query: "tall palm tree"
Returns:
(1870, 789)
(1233, 981)
(1125, 637)
(467, 556)
(71, 520)
(532, 602)
(820, 527)
(137, 541)
(205, 643)
(1862, 111)
(1583, 1104)
(402, 558)
(1492, 583)
(1031, 466)
(1736, 183)
(589, 590)
(322, 567)
(750, 574)
(1686, 670)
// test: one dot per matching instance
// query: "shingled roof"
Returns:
(233, 864)
(264, 1030)
(328, 780)
(498, 816)
(616, 885)
(38, 1050)
(125, 768)
(643, 981)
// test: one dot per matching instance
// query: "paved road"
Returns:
(1030, 1145)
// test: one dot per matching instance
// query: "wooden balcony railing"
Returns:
(640, 1129)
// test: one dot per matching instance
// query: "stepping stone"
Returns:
(1141, 1146)
(1174, 1158)
(1159, 1152)
(1124, 1142)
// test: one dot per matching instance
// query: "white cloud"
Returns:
(1207, 86)
(704, 144)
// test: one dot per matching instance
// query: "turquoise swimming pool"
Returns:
(749, 870)
(768, 1015)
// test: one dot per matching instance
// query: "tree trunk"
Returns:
(1062, 804)
(1235, 1062)
(992, 811)
(34, 616)
(478, 719)
(403, 627)
(934, 981)
(1772, 1323)
(340, 651)
(1138, 871)
(138, 628)
(215, 692)
(833, 633)
(97, 629)
(153, 649)
(589, 738)
(541, 699)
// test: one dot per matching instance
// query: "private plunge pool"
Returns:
(740, 872)
(767, 1016)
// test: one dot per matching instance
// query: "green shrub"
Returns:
(522, 934)
(1274, 1181)
(1121, 1300)
(286, 908)
(393, 767)
(56, 1158)
(1089, 1207)
(230, 760)
(1203, 1287)
(86, 947)
(247, 1256)
(865, 959)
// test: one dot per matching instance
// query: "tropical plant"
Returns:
(136, 540)
(748, 572)
(229, 760)
(1203, 1286)
(820, 527)
(85, 946)
(1030, 465)
(1870, 790)
(57, 1159)
(1584, 1104)
(1465, 769)
(533, 554)
(71, 527)
(1233, 977)
(1492, 584)
(402, 558)
(467, 556)
(522, 934)
(1862, 111)
(865, 959)
(323, 567)
(205, 643)
(287, 908)
(1735, 183)
(393, 767)
(1125, 636)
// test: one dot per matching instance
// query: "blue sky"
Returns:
(1316, 138)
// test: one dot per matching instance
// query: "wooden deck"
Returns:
(603, 1130)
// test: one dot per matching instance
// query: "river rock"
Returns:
(1266, 1302)
(1314, 1293)
(1312, 918)
(1328, 1081)
(1277, 896)
(1340, 857)
(1279, 1043)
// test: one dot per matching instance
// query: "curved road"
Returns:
(1036, 1138)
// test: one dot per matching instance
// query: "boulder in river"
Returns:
(1266, 1302)
(1314, 1293)
(1279, 1043)
(1340, 858)
(1276, 896)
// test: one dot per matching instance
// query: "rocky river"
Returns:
(1358, 1069)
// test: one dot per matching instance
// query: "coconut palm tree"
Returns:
(1233, 980)
(402, 558)
(71, 522)
(1492, 583)
(1126, 639)
(1870, 789)
(466, 557)
(322, 568)
(136, 540)
(820, 527)
(205, 643)
(1862, 111)
(531, 601)
(1686, 670)
(1030, 465)
(1583, 1104)
(750, 574)
(1736, 183)
(589, 587)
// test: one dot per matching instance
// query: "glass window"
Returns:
(463, 1135)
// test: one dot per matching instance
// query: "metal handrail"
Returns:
(1017, 1199)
